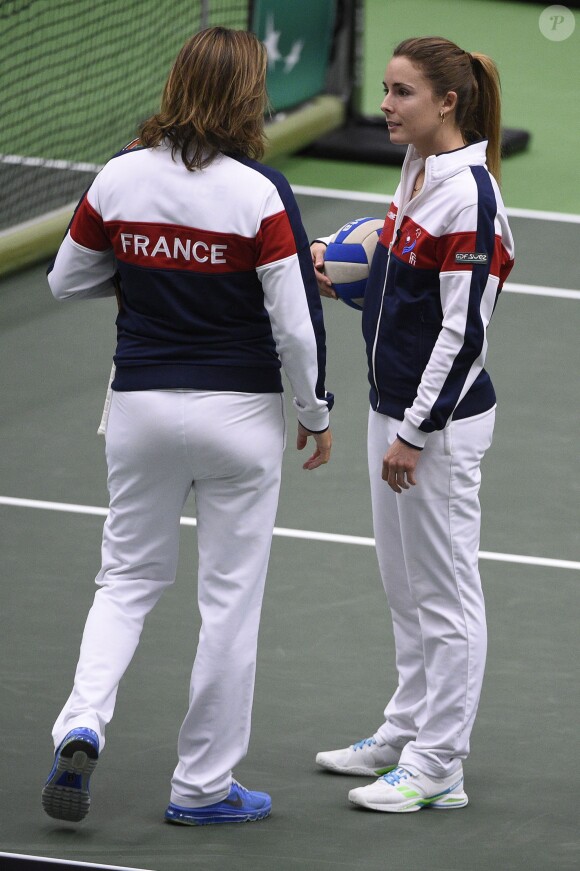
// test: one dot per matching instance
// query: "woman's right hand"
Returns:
(318, 250)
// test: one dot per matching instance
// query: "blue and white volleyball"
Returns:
(348, 258)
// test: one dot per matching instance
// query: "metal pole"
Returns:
(204, 14)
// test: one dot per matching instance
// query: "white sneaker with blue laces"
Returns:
(367, 758)
(406, 789)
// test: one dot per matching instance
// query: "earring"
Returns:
(442, 116)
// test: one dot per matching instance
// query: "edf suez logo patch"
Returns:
(470, 257)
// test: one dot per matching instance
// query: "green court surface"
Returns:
(325, 668)
(539, 85)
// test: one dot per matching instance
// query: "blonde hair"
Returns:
(474, 78)
(214, 99)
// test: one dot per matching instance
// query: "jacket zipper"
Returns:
(398, 222)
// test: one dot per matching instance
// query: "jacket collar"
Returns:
(439, 167)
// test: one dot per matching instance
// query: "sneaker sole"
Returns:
(66, 795)
(448, 802)
(217, 819)
(356, 770)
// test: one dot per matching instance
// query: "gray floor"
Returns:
(325, 665)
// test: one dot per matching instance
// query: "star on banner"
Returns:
(271, 41)
(292, 59)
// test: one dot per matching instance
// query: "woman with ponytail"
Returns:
(444, 253)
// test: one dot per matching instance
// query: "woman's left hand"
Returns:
(318, 250)
(399, 464)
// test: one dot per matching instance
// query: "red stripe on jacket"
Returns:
(169, 246)
(87, 228)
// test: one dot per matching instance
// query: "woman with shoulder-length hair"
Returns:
(444, 253)
(216, 293)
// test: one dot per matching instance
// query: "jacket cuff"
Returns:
(412, 436)
(313, 421)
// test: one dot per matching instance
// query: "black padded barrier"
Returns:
(365, 140)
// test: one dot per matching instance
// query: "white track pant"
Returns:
(427, 541)
(160, 444)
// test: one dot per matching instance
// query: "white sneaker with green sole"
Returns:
(406, 789)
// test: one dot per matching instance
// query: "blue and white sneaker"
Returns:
(241, 806)
(367, 758)
(66, 793)
(406, 789)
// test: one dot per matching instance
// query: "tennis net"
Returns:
(78, 78)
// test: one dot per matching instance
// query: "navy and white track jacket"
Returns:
(435, 278)
(217, 284)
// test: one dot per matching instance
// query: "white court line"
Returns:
(361, 196)
(70, 863)
(48, 163)
(305, 190)
(538, 290)
(510, 287)
(304, 534)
